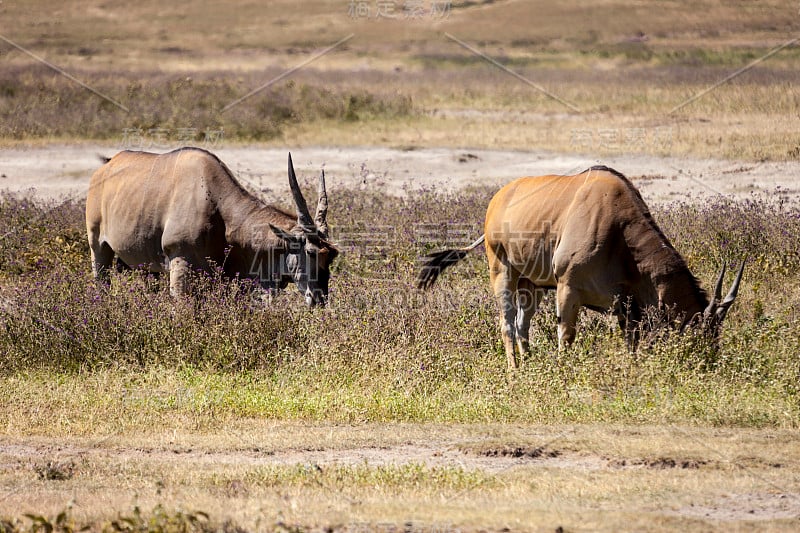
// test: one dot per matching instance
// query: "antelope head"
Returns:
(309, 253)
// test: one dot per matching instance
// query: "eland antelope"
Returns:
(591, 238)
(184, 211)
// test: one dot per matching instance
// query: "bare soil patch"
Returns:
(571, 477)
(63, 170)
(660, 463)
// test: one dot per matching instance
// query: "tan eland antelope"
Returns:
(591, 238)
(184, 210)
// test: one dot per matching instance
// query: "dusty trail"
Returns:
(64, 170)
(722, 476)
(493, 460)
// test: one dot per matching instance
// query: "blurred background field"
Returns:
(621, 74)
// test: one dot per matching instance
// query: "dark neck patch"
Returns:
(680, 265)
(603, 168)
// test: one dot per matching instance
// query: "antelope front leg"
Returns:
(102, 259)
(178, 277)
(567, 307)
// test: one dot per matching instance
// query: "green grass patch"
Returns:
(380, 478)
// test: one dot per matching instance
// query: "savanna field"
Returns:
(382, 350)
(82, 361)
(124, 409)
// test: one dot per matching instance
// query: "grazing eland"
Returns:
(591, 238)
(184, 211)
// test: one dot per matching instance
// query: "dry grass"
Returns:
(250, 36)
(380, 350)
(598, 478)
(624, 89)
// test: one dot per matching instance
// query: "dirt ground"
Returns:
(670, 475)
(63, 170)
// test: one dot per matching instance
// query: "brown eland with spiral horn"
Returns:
(184, 211)
(592, 238)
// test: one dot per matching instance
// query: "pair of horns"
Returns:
(719, 306)
(320, 222)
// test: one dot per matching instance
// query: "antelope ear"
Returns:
(285, 235)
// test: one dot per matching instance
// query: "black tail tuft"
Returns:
(433, 264)
(103, 158)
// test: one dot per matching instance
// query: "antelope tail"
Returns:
(433, 264)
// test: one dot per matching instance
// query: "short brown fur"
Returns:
(592, 238)
(184, 210)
